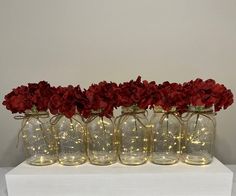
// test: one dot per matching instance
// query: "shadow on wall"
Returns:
(225, 136)
(13, 154)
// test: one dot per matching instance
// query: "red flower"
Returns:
(101, 97)
(25, 98)
(170, 95)
(208, 93)
(40, 94)
(63, 101)
(140, 93)
(67, 101)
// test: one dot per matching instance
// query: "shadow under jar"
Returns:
(38, 139)
(101, 140)
(199, 136)
(165, 137)
(133, 136)
(71, 139)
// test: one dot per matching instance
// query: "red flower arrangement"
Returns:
(67, 101)
(101, 97)
(207, 93)
(35, 95)
(139, 93)
(170, 95)
(104, 97)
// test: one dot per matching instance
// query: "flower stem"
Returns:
(135, 122)
(196, 123)
(72, 127)
(103, 125)
(167, 123)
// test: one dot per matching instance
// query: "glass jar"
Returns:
(101, 140)
(71, 140)
(38, 139)
(133, 136)
(165, 137)
(199, 136)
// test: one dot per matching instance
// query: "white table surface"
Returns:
(3, 188)
(4, 170)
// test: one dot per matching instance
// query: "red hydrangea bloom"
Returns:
(104, 97)
(101, 97)
(208, 93)
(171, 95)
(25, 98)
(40, 94)
(140, 93)
(67, 101)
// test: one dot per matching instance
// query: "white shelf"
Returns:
(119, 180)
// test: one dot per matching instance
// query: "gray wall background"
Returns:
(85, 41)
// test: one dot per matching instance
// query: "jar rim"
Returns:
(160, 109)
(96, 111)
(30, 112)
(132, 108)
(200, 108)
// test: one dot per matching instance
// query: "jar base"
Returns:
(102, 159)
(71, 160)
(41, 160)
(133, 159)
(100, 163)
(163, 159)
(197, 160)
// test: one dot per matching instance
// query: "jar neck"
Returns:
(132, 109)
(96, 112)
(36, 113)
(76, 115)
(159, 109)
(200, 109)
(58, 118)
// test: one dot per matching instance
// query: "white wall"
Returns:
(85, 41)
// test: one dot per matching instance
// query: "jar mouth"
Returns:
(159, 109)
(35, 114)
(30, 112)
(131, 109)
(200, 109)
(96, 111)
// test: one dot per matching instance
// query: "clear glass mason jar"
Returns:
(199, 136)
(38, 139)
(165, 137)
(133, 135)
(101, 140)
(71, 140)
